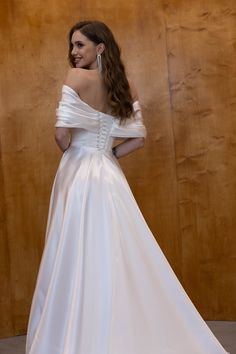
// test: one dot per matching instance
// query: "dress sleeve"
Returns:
(133, 127)
(73, 113)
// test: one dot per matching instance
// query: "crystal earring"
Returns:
(99, 62)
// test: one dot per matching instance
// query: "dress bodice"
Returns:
(94, 128)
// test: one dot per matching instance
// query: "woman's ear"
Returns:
(100, 48)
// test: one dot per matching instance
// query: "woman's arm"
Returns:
(128, 146)
(62, 137)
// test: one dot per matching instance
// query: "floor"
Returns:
(225, 332)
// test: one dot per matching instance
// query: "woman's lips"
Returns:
(77, 61)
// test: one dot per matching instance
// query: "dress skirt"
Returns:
(104, 285)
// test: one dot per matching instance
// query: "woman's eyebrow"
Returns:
(80, 42)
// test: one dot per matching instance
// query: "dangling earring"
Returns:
(99, 62)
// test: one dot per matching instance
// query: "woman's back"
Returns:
(90, 87)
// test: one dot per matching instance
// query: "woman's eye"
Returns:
(79, 45)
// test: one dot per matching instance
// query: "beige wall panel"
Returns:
(5, 295)
(202, 72)
(181, 56)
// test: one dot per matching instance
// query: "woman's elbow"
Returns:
(58, 138)
(141, 142)
(60, 135)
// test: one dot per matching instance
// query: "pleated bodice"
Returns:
(94, 128)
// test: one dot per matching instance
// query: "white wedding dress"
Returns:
(104, 286)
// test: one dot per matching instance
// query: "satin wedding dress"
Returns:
(104, 286)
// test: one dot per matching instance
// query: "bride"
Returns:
(104, 286)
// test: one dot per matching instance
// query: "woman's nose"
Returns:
(74, 51)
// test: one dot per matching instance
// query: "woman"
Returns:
(104, 285)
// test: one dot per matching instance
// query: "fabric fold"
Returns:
(72, 112)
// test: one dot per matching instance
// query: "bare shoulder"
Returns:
(133, 90)
(76, 78)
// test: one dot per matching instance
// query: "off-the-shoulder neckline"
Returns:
(95, 110)
(85, 103)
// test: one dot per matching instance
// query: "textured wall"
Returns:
(181, 55)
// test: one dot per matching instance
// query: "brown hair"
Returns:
(113, 71)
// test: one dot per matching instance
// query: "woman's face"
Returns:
(83, 51)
